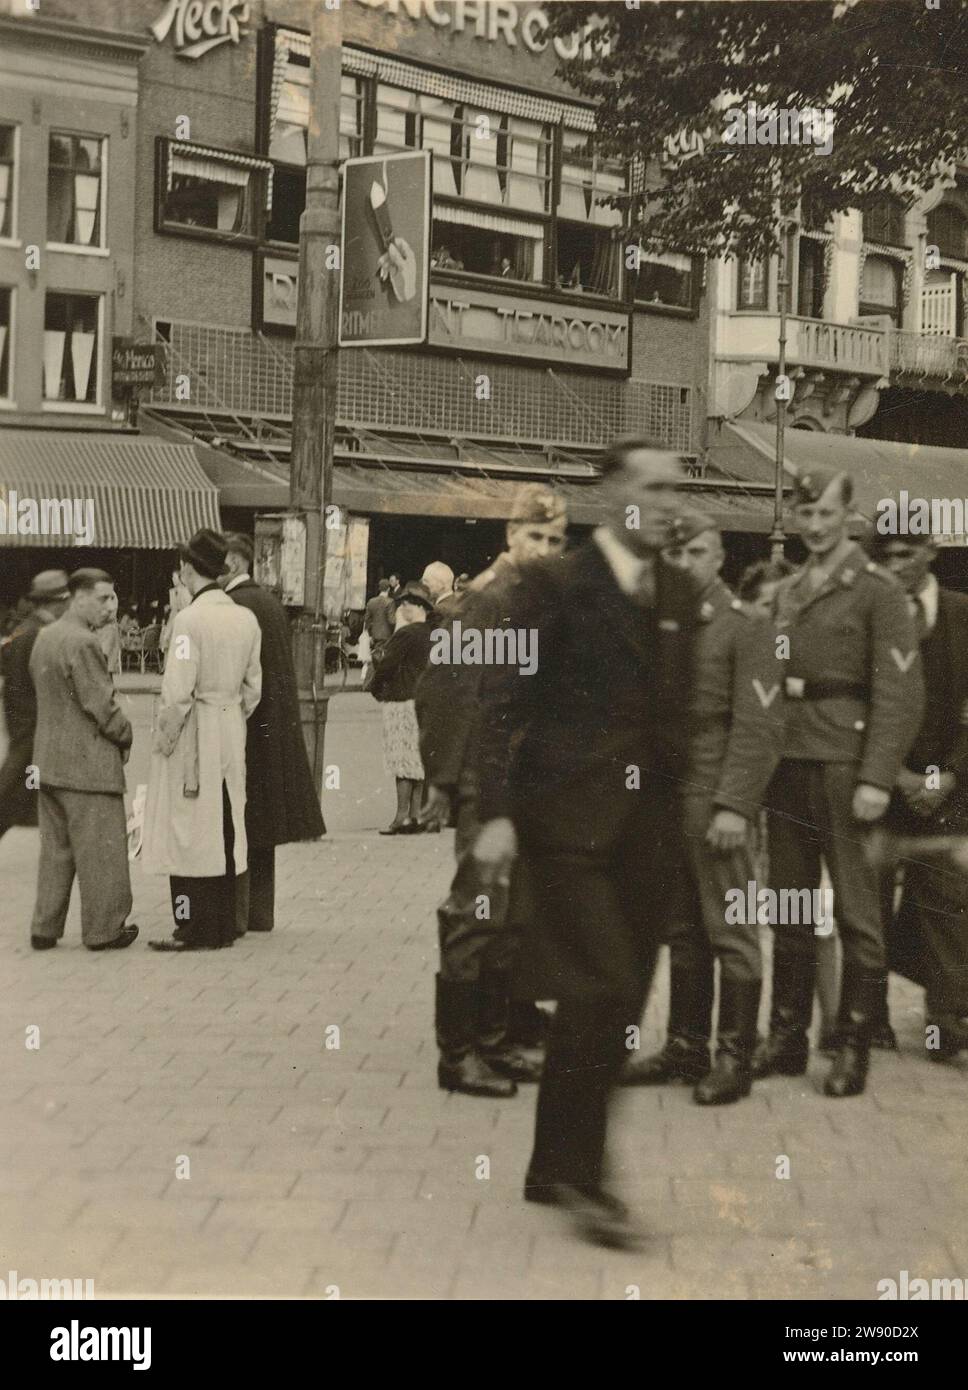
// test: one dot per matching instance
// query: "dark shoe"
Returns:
(732, 1076)
(520, 1066)
(848, 1075)
(461, 1068)
(179, 947)
(860, 1004)
(471, 1076)
(399, 827)
(124, 938)
(43, 943)
(786, 1050)
(680, 1060)
(599, 1218)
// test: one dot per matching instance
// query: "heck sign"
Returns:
(201, 24)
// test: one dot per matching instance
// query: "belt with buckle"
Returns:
(799, 689)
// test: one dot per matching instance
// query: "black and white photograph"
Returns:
(537, 432)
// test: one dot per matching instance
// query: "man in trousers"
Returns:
(281, 805)
(477, 1023)
(195, 814)
(81, 744)
(734, 747)
(577, 762)
(47, 598)
(927, 934)
(854, 702)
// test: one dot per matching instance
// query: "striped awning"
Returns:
(70, 488)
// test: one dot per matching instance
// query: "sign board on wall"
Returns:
(196, 27)
(386, 250)
(478, 321)
(280, 556)
(277, 291)
(137, 364)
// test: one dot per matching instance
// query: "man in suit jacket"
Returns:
(928, 933)
(281, 804)
(80, 747)
(18, 799)
(578, 761)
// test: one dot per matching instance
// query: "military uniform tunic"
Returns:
(854, 702)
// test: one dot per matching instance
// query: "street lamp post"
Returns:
(778, 535)
(315, 349)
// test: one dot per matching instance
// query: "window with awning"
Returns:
(209, 191)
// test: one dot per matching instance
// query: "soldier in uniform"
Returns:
(854, 701)
(475, 1019)
(735, 744)
(47, 599)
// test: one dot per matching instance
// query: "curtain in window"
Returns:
(3, 344)
(4, 197)
(607, 181)
(437, 118)
(575, 197)
(526, 189)
(480, 180)
(605, 265)
(290, 121)
(82, 353)
(59, 205)
(87, 192)
(54, 339)
(394, 107)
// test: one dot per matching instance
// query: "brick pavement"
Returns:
(314, 1168)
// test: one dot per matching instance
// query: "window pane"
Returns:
(589, 259)
(502, 254)
(88, 154)
(752, 285)
(665, 280)
(6, 180)
(397, 124)
(59, 149)
(948, 230)
(810, 279)
(288, 201)
(74, 190)
(70, 348)
(220, 204)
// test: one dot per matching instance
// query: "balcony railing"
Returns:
(929, 355)
(839, 347)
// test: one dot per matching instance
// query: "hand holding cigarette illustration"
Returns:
(398, 264)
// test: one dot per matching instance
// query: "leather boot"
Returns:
(460, 1067)
(785, 1051)
(860, 999)
(882, 1035)
(685, 1056)
(493, 1042)
(732, 1076)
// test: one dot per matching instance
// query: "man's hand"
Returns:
(437, 808)
(495, 849)
(870, 803)
(727, 831)
(398, 264)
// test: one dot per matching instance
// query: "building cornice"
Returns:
(117, 46)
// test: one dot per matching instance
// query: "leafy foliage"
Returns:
(893, 72)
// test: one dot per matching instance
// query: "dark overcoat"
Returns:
(585, 755)
(281, 801)
(18, 805)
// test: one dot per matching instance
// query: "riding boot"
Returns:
(685, 1055)
(493, 1021)
(786, 1050)
(461, 1068)
(860, 999)
(732, 1076)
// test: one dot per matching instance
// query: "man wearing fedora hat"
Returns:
(195, 815)
(47, 597)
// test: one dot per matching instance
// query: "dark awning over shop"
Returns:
(879, 468)
(138, 494)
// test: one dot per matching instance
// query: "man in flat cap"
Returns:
(47, 598)
(195, 814)
(577, 764)
(734, 747)
(477, 1023)
(928, 930)
(855, 696)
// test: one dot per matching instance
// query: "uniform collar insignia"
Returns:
(707, 611)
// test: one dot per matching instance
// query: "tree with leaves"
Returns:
(892, 74)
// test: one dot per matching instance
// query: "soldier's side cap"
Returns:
(536, 504)
(49, 584)
(813, 482)
(688, 525)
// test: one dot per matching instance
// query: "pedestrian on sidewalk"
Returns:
(281, 805)
(46, 601)
(480, 1029)
(578, 763)
(394, 682)
(81, 745)
(195, 815)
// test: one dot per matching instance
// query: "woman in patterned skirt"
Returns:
(395, 677)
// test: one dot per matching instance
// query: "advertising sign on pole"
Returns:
(386, 250)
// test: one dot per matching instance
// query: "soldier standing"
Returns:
(735, 744)
(854, 702)
(476, 1020)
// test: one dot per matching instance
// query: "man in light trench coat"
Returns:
(195, 816)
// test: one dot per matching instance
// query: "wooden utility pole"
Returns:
(315, 349)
